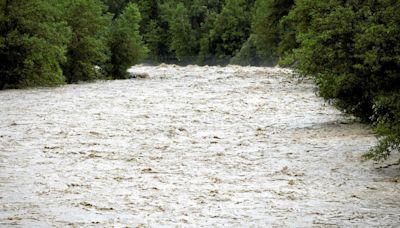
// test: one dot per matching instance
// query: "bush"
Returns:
(88, 47)
(125, 44)
(352, 49)
(32, 44)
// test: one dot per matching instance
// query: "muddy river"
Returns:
(188, 147)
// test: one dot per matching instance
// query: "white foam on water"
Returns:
(188, 146)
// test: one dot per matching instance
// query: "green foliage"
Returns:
(125, 43)
(386, 119)
(88, 47)
(32, 44)
(231, 29)
(352, 49)
(155, 28)
(116, 6)
(206, 54)
(184, 31)
(181, 33)
(272, 36)
(250, 54)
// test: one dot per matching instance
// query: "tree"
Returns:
(88, 47)
(32, 44)
(126, 44)
(249, 54)
(352, 50)
(154, 28)
(116, 6)
(183, 42)
(154, 40)
(207, 52)
(271, 36)
(231, 29)
(377, 55)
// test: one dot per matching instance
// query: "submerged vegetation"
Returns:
(350, 47)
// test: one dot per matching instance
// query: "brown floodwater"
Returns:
(189, 146)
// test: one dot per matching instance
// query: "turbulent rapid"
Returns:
(188, 146)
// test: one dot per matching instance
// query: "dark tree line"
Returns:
(350, 47)
(50, 42)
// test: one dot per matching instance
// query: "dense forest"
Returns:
(350, 47)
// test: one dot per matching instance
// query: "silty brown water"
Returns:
(189, 146)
